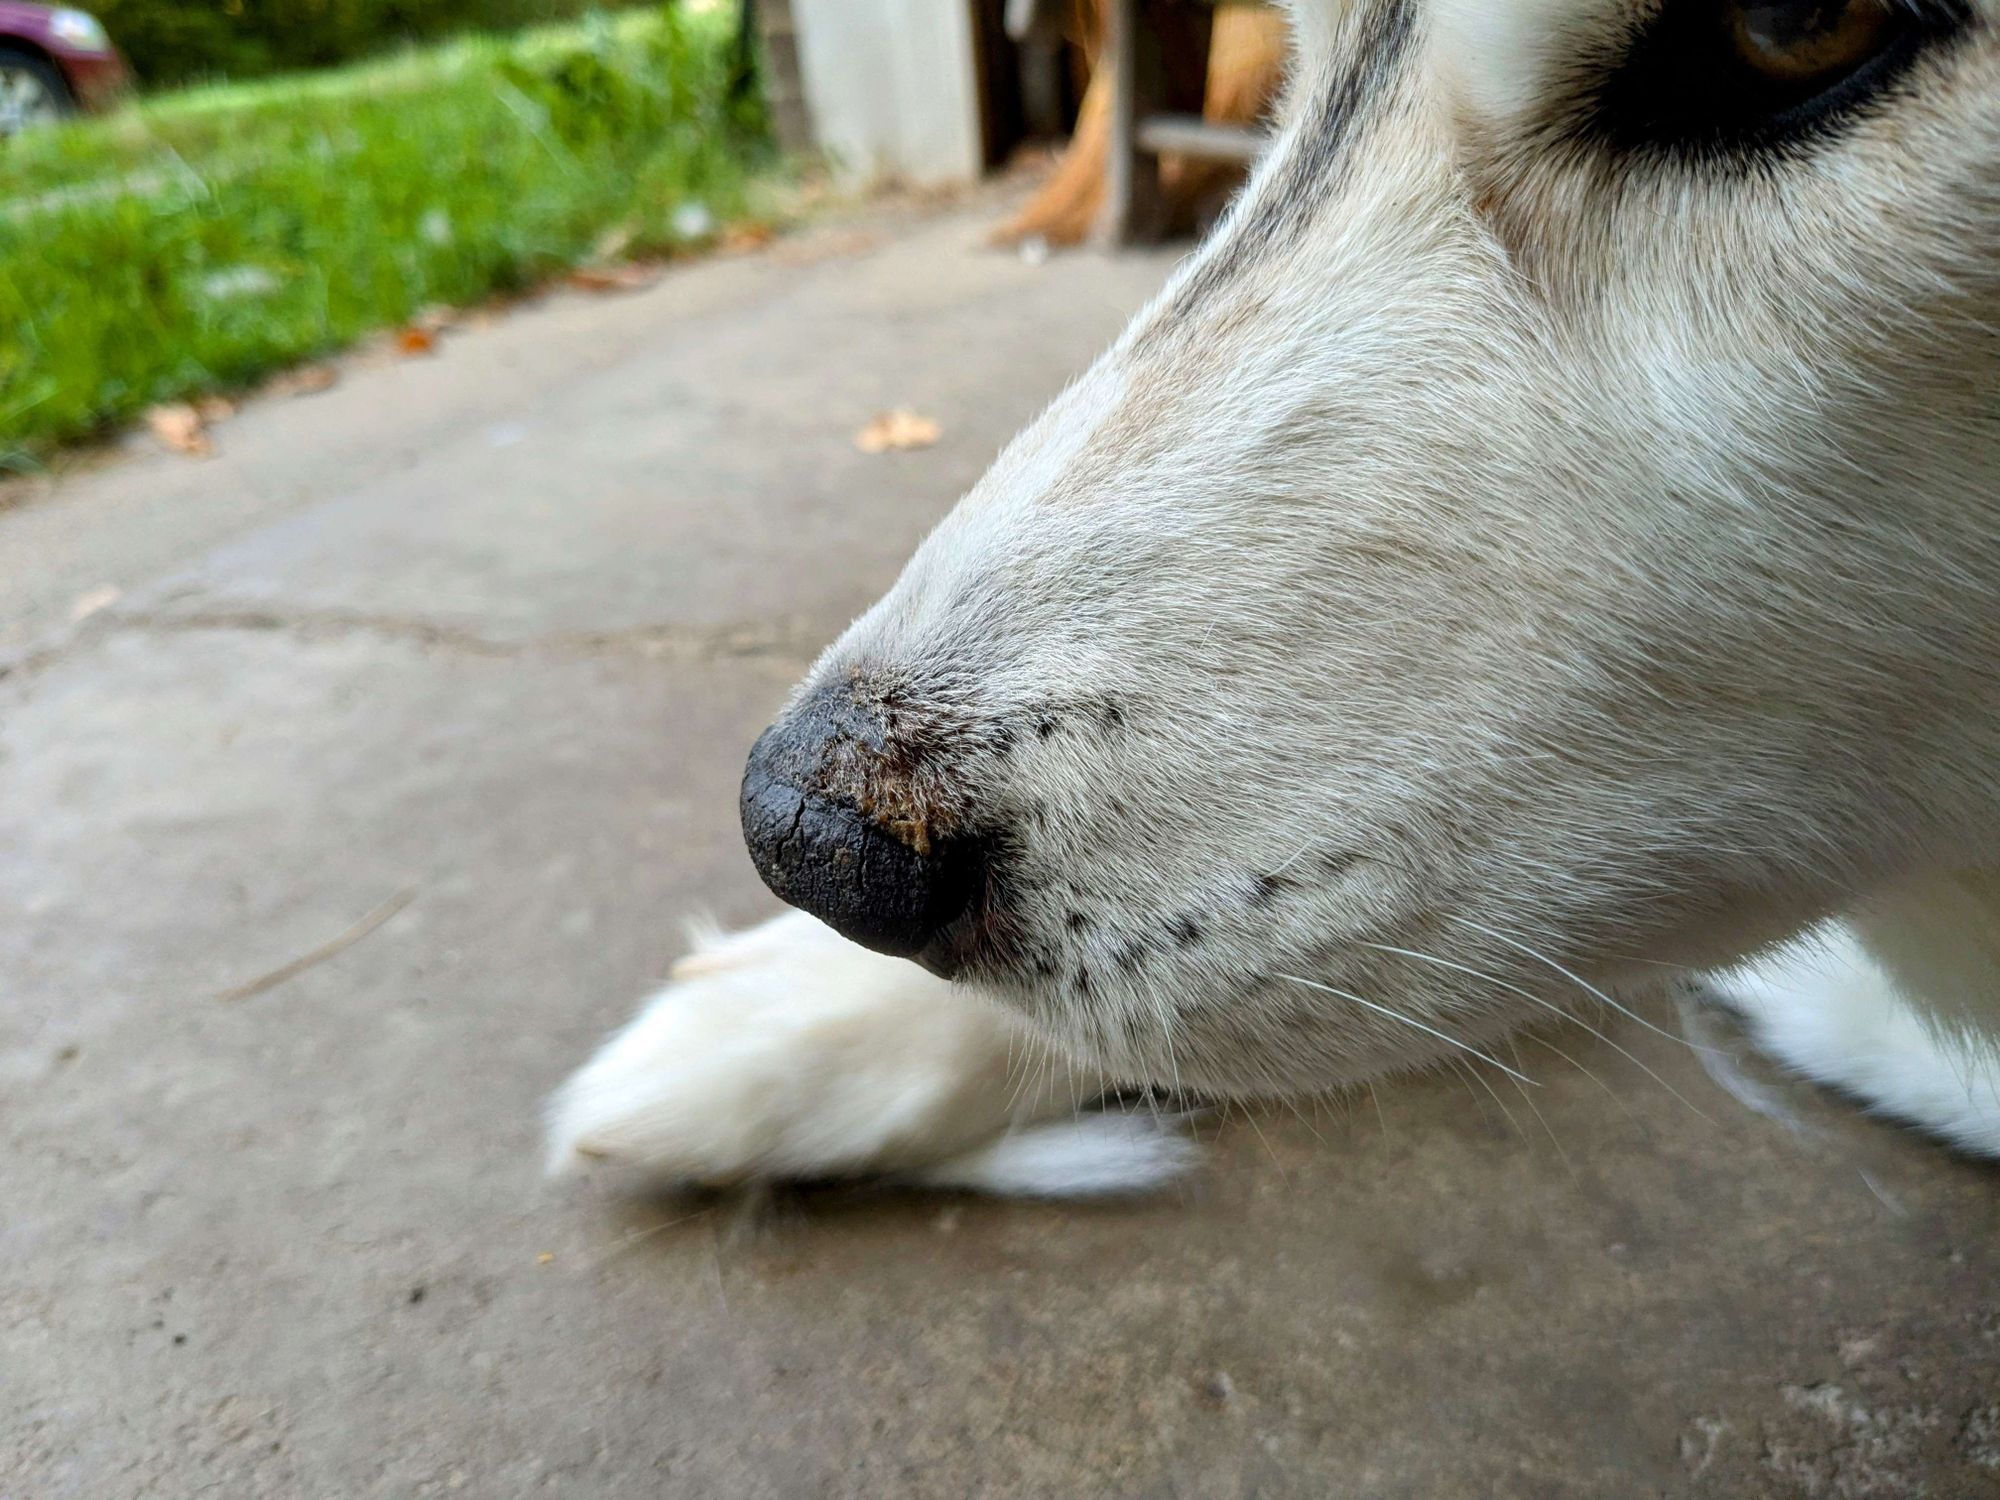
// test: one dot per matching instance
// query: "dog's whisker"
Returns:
(1458, 1068)
(1513, 1125)
(1165, 1014)
(1292, 859)
(1542, 1119)
(1396, 1015)
(1581, 983)
(1547, 1005)
(1250, 1114)
(1293, 1105)
(1376, 1099)
(1613, 1094)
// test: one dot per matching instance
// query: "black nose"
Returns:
(885, 876)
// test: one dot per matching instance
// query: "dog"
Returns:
(1543, 548)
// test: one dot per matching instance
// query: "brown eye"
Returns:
(1721, 78)
(1807, 41)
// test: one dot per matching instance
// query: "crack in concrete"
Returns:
(786, 640)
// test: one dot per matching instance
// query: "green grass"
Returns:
(199, 240)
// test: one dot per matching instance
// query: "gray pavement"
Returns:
(488, 633)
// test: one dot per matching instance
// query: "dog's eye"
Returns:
(1813, 42)
(1732, 74)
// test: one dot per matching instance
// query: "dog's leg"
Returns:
(1897, 1004)
(787, 1053)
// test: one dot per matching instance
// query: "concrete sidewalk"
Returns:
(487, 635)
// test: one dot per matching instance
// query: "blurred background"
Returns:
(435, 435)
(196, 197)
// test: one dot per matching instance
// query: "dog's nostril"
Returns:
(817, 849)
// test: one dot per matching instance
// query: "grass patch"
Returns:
(200, 240)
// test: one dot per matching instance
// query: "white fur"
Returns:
(787, 1053)
(1826, 1008)
(1491, 568)
(1830, 1007)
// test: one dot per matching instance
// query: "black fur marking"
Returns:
(1046, 725)
(1185, 931)
(1130, 956)
(1081, 981)
(1266, 891)
(1077, 921)
(1310, 176)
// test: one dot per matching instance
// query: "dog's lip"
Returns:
(958, 946)
(973, 937)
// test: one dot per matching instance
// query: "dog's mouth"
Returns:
(982, 941)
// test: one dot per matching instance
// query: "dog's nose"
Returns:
(836, 828)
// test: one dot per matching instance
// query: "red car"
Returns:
(53, 61)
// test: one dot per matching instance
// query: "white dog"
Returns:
(1545, 545)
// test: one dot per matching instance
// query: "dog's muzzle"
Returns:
(830, 826)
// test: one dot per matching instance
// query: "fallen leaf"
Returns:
(415, 340)
(179, 426)
(809, 249)
(90, 602)
(900, 429)
(304, 381)
(626, 276)
(746, 237)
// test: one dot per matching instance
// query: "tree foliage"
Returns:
(173, 41)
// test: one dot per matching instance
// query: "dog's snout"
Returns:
(838, 826)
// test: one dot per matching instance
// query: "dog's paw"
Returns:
(787, 1053)
(1827, 1009)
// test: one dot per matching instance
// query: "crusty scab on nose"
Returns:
(901, 757)
(884, 756)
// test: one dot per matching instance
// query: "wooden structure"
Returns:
(1157, 52)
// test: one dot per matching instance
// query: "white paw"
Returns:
(788, 1053)
(1826, 1008)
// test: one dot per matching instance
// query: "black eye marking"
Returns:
(1682, 83)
